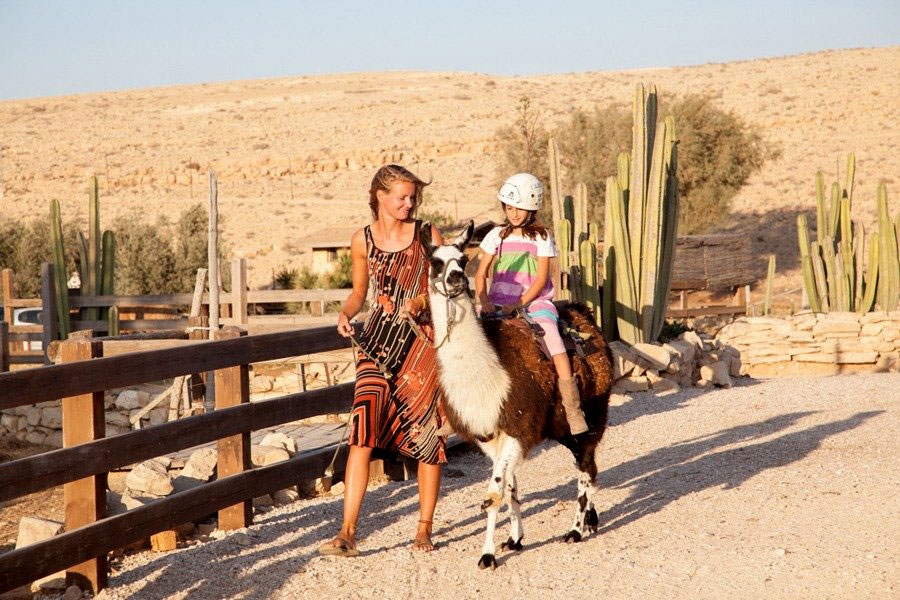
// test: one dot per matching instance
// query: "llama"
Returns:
(501, 393)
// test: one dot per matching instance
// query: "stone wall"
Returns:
(816, 344)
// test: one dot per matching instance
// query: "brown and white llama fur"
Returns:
(501, 393)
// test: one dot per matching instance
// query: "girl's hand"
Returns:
(487, 307)
(344, 327)
(411, 307)
(510, 308)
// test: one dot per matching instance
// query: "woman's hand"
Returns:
(344, 327)
(411, 308)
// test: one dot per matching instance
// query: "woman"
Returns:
(400, 414)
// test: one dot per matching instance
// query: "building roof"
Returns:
(331, 237)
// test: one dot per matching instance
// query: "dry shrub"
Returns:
(24, 246)
(717, 153)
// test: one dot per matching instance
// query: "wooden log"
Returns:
(42, 471)
(49, 315)
(85, 499)
(142, 301)
(239, 291)
(28, 387)
(213, 254)
(233, 389)
(133, 324)
(4, 346)
(21, 566)
(197, 389)
(177, 336)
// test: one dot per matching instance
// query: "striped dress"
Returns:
(404, 413)
(515, 270)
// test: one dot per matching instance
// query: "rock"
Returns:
(691, 337)
(664, 387)
(622, 359)
(164, 541)
(52, 417)
(114, 417)
(201, 465)
(832, 326)
(337, 489)
(206, 528)
(73, 592)
(114, 504)
(241, 538)
(267, 455)
(734, 369)
(54, 439)
(263, 501)
(703, 384)
(716, 373)
(182, 483)
(128, 400)
(653, 376)
(33, 416)
(841, 358)
(158, 415)
(872, 328)
(631, 384)
(35, 437)
(10, 422)
(34, 529)
(132, 502)
(150, 477)
(322, 485)
(655, 357)
(280, 440)
(285, 496)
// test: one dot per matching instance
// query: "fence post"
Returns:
(233, 388)
(85, 499)
(239, 292)
(197, 387)
(6, 278)
(49, 315)
(4, 346)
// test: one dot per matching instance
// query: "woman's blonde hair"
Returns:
(386, 177)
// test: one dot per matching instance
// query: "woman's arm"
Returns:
(357, 297)
(484, 264)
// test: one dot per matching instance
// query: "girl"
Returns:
(400, 414)
(519, 252)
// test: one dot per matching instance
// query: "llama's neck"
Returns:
(474, 381)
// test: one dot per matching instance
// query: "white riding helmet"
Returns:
(522, 190)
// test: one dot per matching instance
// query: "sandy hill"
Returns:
(295, 155)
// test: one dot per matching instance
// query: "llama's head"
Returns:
(448, 263)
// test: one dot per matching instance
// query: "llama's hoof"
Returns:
(509, 544)
(573, 537)
(592, 521)
(487, 561)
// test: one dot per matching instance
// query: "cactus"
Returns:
(93, 256)
(839, 280)
(108, 281)
(59, 270)
(643, 220)
(113, 320)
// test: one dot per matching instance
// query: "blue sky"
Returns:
(55, 47)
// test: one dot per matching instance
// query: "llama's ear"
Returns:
(462, 240)
(425, 238)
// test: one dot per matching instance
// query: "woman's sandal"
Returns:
(339, 546)
(423, 544)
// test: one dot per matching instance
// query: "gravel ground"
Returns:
(782, 488)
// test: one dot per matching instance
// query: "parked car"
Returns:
(28, 316)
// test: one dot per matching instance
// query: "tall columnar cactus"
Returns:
(642, 205)
(834, 273)
(59, 269)
(108, 279)
(113, 320)
(93, 243)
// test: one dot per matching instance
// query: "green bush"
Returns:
(342, 275)
(157, 258)
(717, 153)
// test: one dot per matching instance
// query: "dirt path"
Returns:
(782, 488)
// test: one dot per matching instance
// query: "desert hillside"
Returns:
(295, 155)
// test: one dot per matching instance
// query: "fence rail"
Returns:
(81, 466)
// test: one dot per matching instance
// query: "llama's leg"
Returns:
(509, 451)
(585, 515)
(516, 533)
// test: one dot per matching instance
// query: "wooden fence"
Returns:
(234, 310)
(87, 456)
